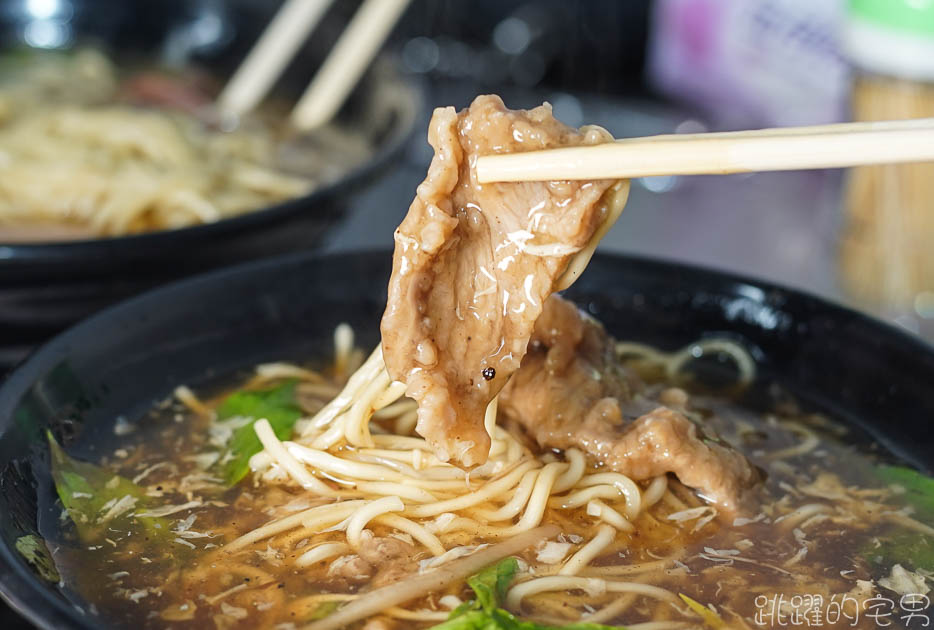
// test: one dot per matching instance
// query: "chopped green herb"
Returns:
(919, 488)
(909, 549)
(96, 498)
(899, 546)
(484, 613)
(33, 549)
(491, 584)
(276, 404)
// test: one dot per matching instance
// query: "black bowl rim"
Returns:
(23, 590)
(26, 252)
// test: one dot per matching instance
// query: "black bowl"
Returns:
(123, 360)
(46, 286)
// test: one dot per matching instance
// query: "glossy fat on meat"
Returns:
(569, 376)
(665, 441)
(473, 265)
(378, 549)
(572, 392)
(394, 559)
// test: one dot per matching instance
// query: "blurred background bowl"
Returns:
(44, 286)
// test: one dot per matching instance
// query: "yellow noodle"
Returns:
(277, 451)
(293, 537)
(610, 611)
(324, 461)
(604, 512)
(271, 371)
(605, 535)
(590, 585)
(402, 491)
(357, 422)
(626, 486)
(415, 530)
(395, 409)
(416, 615)
(519, 499)
(320, 516)
(324, 391)
(367, 372)
(331, 437)
(583, 496)
(810, 442)
(537, 502)
(792, 519)
(406, 456)
(190, 400)
(401, 442)
(489, 417)
(653, 494)
(574, 473)
(674, 362)
(674, 501)
(487, 491)
(343, 347)
(613, 202)
(368, 512)
(324, 551)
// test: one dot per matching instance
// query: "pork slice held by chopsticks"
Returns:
(474, 263)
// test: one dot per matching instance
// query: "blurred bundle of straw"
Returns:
(887, 250)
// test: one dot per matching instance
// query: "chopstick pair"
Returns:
(790, 148)
(336, 77)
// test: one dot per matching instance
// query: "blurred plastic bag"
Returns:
(752, 63)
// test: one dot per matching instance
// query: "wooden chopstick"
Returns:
(336, 77)
(276, 46)
(790, 148)
(351, 55)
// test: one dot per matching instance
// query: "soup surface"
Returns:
(836, 538)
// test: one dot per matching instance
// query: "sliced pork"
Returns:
(572, 392)
(474, 263)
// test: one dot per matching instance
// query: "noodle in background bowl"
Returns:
(120, 362)
(45, 286)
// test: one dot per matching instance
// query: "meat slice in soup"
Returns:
(474, 263)
(572, 392)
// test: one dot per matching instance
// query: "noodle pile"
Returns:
(69, 154)
(354, 512)
(359, 455)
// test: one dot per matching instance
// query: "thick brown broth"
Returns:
(806, 553)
